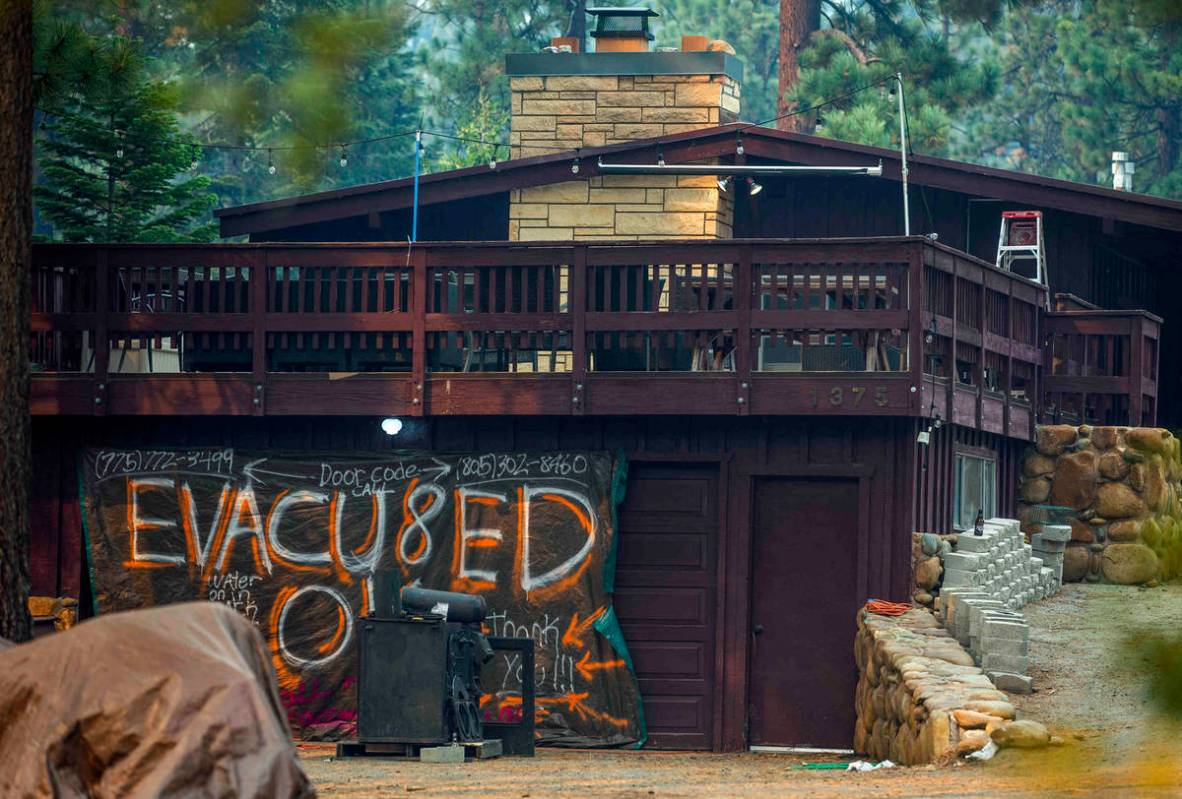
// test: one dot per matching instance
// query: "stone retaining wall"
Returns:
(920, 698)
(1120, 489)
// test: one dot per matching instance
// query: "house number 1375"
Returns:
(839, 396)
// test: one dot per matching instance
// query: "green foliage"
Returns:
(1083, 79)
(296, 76)
(462, 60)
(112, 156)
(752, 27)
(485, 122)
(1162, 657)
(939, 84)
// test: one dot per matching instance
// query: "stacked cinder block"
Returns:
(1049, 546)
(987, 579)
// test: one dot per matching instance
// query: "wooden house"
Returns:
(767, 358)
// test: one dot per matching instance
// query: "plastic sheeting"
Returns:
(294, 542)
(174, 701)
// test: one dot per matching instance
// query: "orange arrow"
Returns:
(575, 631)
(587, 668)
(585, 711)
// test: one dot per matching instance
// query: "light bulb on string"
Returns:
(820, 124)
(739, 145)
(270, 163)
(660, 158)
(344, 157)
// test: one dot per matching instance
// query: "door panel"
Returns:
(665, 588)
(803, 604)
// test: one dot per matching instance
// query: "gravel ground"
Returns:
(1090, 692)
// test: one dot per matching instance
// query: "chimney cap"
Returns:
(622, 22)
(622, 11)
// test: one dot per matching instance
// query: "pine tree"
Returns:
(113, 158)
(463, 59)
(871, 41)
(1083, 79)
(16, 160)
(485, 123)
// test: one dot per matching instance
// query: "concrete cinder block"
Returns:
(1041, 544)
(1006, 628)
(442, 754)
(955, 578)
(1011, 525)
(1005, 646)
(1012, 683)
(1055, 532)
(1014, 664)
(967, 542)
(963, 561)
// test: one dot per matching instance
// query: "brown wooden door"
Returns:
(803, 612)
(665, 594)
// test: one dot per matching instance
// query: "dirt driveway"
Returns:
(1091, 694)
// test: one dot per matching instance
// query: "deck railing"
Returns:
(1101, 367)
(735, 326)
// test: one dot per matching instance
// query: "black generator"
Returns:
(421, 656)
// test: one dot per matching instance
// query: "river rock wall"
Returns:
(920, 698)
(1118, 488)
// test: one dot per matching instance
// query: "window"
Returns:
(976, 489)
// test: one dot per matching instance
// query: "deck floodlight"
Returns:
(753, 188)
(724, 184)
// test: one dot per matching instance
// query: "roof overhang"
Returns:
(715, 142)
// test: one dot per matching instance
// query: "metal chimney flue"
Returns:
(1122, 171)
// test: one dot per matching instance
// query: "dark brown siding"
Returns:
(706, 561)
(935, 472)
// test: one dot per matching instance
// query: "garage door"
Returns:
(665, 590)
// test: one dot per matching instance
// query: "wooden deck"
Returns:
(868, 326)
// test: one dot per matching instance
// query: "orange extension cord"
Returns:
(884, 608)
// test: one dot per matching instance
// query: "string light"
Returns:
(574, 165)
(272, 169)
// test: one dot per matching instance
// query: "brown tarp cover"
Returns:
(172, 701)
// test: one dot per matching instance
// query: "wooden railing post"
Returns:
(578, 311)
(1136, 368)
(102, 344)
(743, 292)
(915, 331)
(1008, 388)
(418, 343)
(953, 372)
(260, 272)
(982, 352)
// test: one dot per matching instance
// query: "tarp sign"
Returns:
(293, 543)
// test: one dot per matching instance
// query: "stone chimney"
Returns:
(564, 101)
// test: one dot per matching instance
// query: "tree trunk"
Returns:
(16, 220)
(798, 19)
(578, 23)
